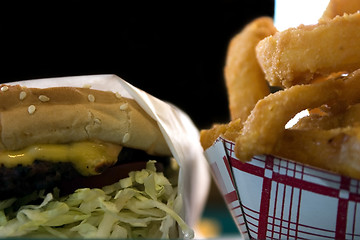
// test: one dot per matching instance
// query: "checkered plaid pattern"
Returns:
(281, 199)
(222, 172)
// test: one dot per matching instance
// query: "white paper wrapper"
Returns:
(179, 132)
(273, 198)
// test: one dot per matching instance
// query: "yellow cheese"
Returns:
(88, 158)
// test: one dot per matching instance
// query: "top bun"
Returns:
(67, 114)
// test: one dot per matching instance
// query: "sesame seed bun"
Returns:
(67, 114)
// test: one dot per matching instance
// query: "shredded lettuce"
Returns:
(143, 205)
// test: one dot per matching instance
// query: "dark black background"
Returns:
(174, 51)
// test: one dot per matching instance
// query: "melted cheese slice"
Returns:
(88, 158)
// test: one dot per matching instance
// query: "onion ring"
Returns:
(349, 118)
(339, 7)
(298, 55)
(229, 131)
(245, 81)
(266, 122)
(337, 150)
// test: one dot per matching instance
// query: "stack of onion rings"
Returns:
(318, 69)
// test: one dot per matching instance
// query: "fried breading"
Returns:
(298, 55)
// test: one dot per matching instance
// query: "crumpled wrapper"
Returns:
(179, 131)
(274, 198)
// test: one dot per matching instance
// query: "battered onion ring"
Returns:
(315, 121)
(339, 7)
(245, 81)
(337, 150)
(266, 123)
(229, 131)
(349, 118)
(298, 55)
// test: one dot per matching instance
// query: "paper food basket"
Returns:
(273, 198)
(179, 131)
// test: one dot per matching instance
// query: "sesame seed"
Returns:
(91, 98)
(97, 121)
(86, 86)
(44, 98)
(22, 95)
(126, 137)
(31, 109)
(124, 106)
(118, 95)
(4, 88)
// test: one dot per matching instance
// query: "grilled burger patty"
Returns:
(22, 180)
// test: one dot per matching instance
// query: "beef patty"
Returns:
(22, 180)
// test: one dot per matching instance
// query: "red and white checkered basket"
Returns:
(272, 198)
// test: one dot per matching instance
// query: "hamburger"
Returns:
(79, 162)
